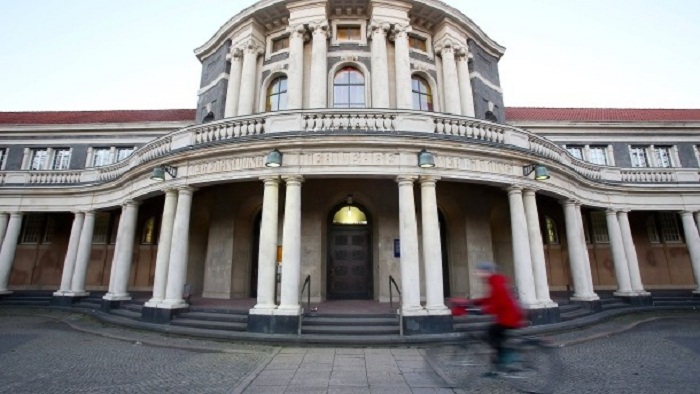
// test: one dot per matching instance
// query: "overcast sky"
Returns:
(137, 54)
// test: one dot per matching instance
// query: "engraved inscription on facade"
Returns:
(349, 158)
(225, 165)
(479, 165)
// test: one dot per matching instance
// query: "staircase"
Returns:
(30, 299)
(359, 326)
(675, 298)
(212, 319)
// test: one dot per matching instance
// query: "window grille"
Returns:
(669, 227)
(600, 227)
(33, 226)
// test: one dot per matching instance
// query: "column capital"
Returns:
(406, 179)
(291, 179)
(252, 47)
(399, 30)
(611, 211)
(568, 201)
(235, 54)
(297, 31)
(270, 178)
(378, 28)
(88, 213)
(320, 28)
(685, 212)
(185, 189)
(530, 190)
(428, 179)
(462, 53)
(446, 47)
(130, 202)
(169, 190)
(514, 189)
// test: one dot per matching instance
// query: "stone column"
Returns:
(539, 267)
(82, 259)
(622, 274)
(160, 279)
(295, 72)
(692, 239)
(177, 270)
(524, 279)
(71, 253)
(233, 89)
(267, 251)
(402, 59)
(697, 220)
(630, 254)
(7, 251)
(576, 260)
(124, 252)
(432, 248)
(586, 257)
(115, 255)
(453, 104)
(380, 65)
(318, 91)
(4, 218)
(291, 248)
(408, 235)
(465, 84)
(246, 103)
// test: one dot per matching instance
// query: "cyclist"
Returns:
(502, 304)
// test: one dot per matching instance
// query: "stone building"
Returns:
(350, 142)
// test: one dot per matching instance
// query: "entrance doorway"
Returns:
(349, 262)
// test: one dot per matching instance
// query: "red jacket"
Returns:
(501, 303)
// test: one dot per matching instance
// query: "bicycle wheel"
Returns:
(538, 367)
(466, 363)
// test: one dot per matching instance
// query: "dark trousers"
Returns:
(497, 336)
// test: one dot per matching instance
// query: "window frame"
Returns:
(427, 38)
(635, 151)
(32, 158)
(60, 159)
(269, 44)
(3, 158)
(429, 94)
(280, 93)
(599, 228)
(349, 22)
(364, 85)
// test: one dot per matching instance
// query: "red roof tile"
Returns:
(601, 114)
(85, 117)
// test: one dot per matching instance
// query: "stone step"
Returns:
(88, 305)
(685, 302)
(210, 316)
(132, 307)
(126, 313)
(471, 327)
(25, 302)
(350, 330)
(349, 321)
(575, 314)
(569, 308)
(209, 325)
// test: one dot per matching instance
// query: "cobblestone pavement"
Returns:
(49, 351)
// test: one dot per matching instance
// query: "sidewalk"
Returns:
(293, 369)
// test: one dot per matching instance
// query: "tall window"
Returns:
(551, 236)
(597, 155)
(422, 97)
(600, 227)
(669, 227)
(38, 159)
(100, 157)
(148, 234)
(61, 159)
(123, 153)
(638, 154)
(277, 95)
(3, 155)
(100, 233)
(349, 89)
(36, 228)
(576, 151)
(663, 156)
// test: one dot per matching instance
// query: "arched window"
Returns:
(148, 235)
(277, 95)
(350, 215)
(422, 96)
(349, 89)
(551, 234)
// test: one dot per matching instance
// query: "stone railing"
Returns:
(352, 120)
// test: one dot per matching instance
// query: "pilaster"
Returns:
(318, 92)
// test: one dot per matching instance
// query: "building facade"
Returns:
(350, 143)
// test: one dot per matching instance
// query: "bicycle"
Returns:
(535, 367)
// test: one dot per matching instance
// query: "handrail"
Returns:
(307, 281)
(391, 302)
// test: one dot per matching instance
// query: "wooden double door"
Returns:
(349, 263)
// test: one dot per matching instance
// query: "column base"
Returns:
(585, 297)
(117, 297)
(160, 315)
(64, 299)
(5, 292)
(273, 324)
(636, 299)
(541, 316)
(434, 324)
(592, 305)
(696, 293)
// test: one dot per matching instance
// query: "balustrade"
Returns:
(352, 120)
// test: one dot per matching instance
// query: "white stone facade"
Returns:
(343, 102)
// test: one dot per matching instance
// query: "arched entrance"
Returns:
(349, 261)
